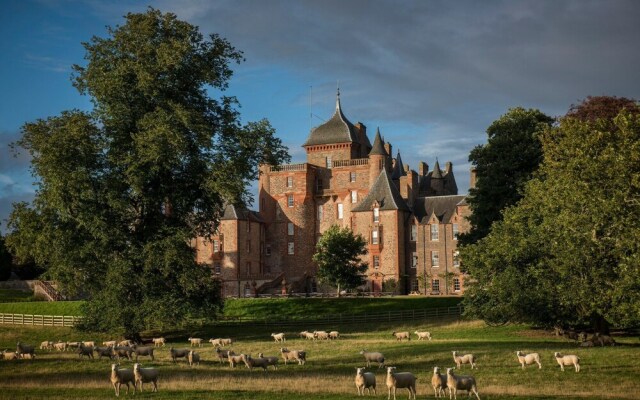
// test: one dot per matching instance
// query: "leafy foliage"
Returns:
(5, 261)
(338, 257)
(123, 189)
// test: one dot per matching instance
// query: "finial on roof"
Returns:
(338, 97)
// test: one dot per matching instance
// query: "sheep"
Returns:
(195, 342)
(373, 356)
(278, 337)
(307, 335)
(73, 345)
(145, 375)
(602, 340)
(321, 335)
(254, 362)
(401, 335)
(399, 380)
(60, 346)
(465, 359)
(104, 352)
(233, 360)
(461, 382)
(567, 360)
(528, 359)
(587, 343)
(123, 351)
(194, 358)
(48, 345)
(22, 348)
(109, 343)
(85, 351)
(27, 356)
(120, 376)
(334, 335)
(298, 355)
(126, 342)
(270, 360)
(90, 343)
(365, 380)
(439, 382)
(222, 354)
(178, 353)
(143, 351)
(157, 342)
(215, 342)
(10, 355)
(226, 341)
(423, 335)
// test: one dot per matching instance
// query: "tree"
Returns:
(123, 189)
(503, 165)
(567, 254)
(338, 257)
(5, 261)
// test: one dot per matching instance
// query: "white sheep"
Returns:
(60, 346)
(438, 382)
(195, 342)
(567, 360)
(10, 355)
(157, 342)
(46, 345)
(222, 354)
(215, 342)
(401, 335)
(465, 359)
(278, 337)
(365, 380)
(528, 359)
(121, 376)
(399, 380)
(73, 345)
(89, 343)
(373, 356)
(126, 342)
(307, 335)
(226, 341)
(321, 335)
(334, 335)
(143, 375)
(461, 382)
(110, 343)
(270, 360)
(297, 355)
(234, 360)
(423, 335)
(194, 358)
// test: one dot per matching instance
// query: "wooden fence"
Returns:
(39, 320)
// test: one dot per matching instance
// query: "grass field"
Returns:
(607, 373)
(12, 295)
(42, 307)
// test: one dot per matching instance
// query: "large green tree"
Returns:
(123, 189)
(5, 261)
(503, 165)
(338, 257)
(567, 254)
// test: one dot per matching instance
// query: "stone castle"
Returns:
(410, 219)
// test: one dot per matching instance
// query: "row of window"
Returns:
(434, 230)
(435, 259)
(354, 199)
(352, 178)
(435, 285)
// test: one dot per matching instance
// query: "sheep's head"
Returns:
(450, 371)
(391, 370)
(136, 366)
(393, 334)
(455, 353)
(556, 354)
(113, 367)
(519, 353)
(359, 371)
(436, 370)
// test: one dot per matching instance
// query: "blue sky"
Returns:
(431, 74)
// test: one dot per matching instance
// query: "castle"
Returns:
(410, 219)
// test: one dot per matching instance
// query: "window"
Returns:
(290, 200)
(435, 259)
(434, 232)
(352, 177)
(374, 237)
(328, 162)
(456, 258)
(320, 213)
(319, 184)
(289, 181)
(248, 246)
(414, 233)
(290, 228)
(456, 284)
(216, 245)
(217, 269)
(376, 214)
(455, 231)
(340, 211)
(267, 250)
(414, 285)
(248, 267)
(354, 196)
(414, 260)
(435, 285)
(290, 248)
(376, 262)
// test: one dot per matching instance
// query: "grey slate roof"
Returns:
(336, 130)
(442, 206)
(378, 145)
(398, 169)
(385, 193)
(232, 212)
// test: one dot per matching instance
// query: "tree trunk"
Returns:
(338, 290)
(600, 324)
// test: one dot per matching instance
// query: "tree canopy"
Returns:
(567, 253)
(338, 257)
(124, 188)
(503, 166)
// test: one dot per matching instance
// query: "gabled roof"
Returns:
(232, 212)
(398, 168)
(338, 129)
(442, 206)
(385, 193)
(378, 145)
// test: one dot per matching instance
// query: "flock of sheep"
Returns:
(137, 376)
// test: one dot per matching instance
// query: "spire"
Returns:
(437, 173)
(378, 145)
(338, 99)
(398, 168)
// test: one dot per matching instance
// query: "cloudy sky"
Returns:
(431, 74)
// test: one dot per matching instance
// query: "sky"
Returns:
(431, 75)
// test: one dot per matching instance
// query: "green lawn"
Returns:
(12, 295)
(42, 308)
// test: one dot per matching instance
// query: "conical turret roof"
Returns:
(378, 145)
(437, 173)
(398, 168)
(338, 129)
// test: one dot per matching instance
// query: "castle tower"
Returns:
(377, 157)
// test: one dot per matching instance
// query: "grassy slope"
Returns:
(42, 308)
(12, 295)
(330, 368)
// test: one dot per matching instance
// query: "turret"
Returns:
(377, 157)
(437, 182)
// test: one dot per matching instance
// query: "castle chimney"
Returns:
(474, 177)
(423, 168)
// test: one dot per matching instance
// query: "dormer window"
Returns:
(376, 214)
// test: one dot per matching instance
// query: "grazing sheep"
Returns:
(143, 351)
(104, 352)
(465, 359)
(222, 354)
(157, 342)
(27, 356)
(126, 342)
(423, 335)
(178, 353)
(89, 343)
(194, 358)
(270, 360)
(109, 343)
(567, 360)
(297, 355)
(334, 335)
(233, 360)
(10, 355)
(602, 340)
(22, 348)
(400, 380)
(439, 382)
(73, 345)
(401, 335)
(121, 376)
(321, 335)
(46, 345)
(85, 351)
(373, 356)
(461, 382)
(528, 359)
(307, 335)
(365, 380)
(195, 342)
(215, 342)
(587, 343)
(278, 337)
(123, 352)
(60, 346)
(226, 341)
(143, 375)
(254, 362)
